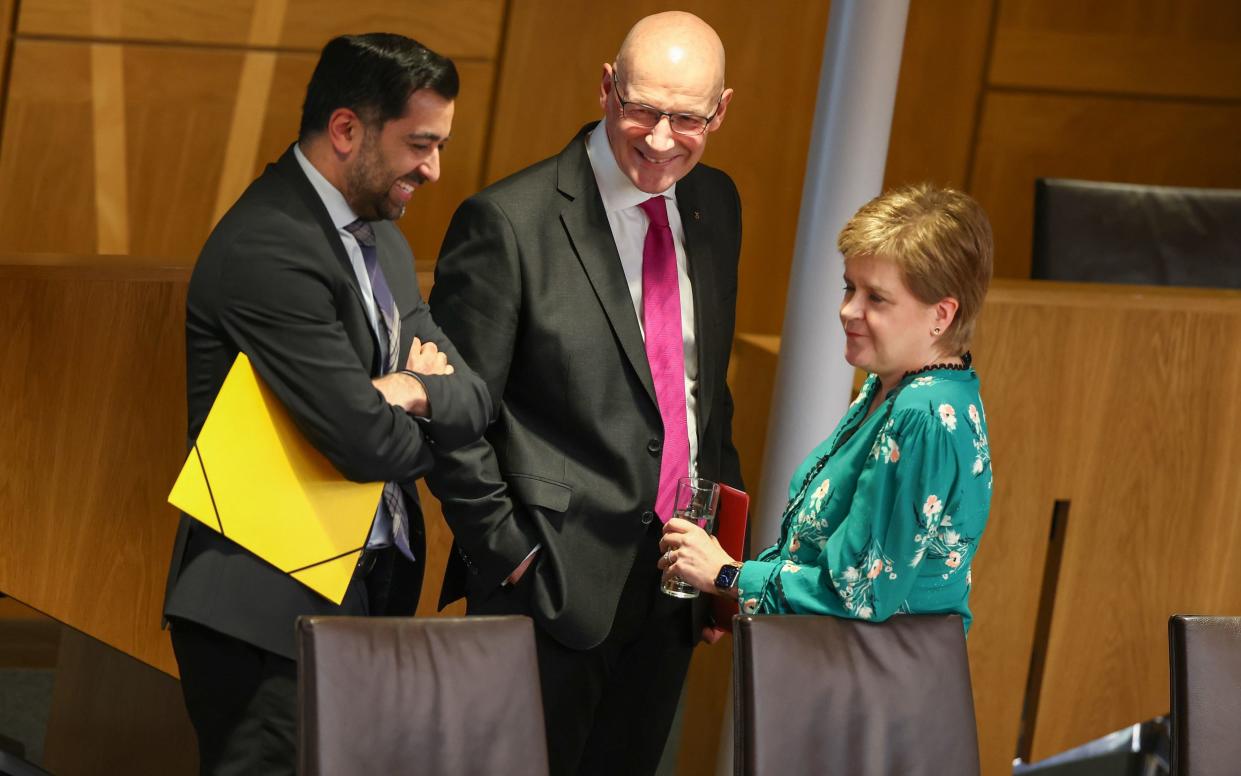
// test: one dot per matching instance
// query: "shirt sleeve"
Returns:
(867, 567)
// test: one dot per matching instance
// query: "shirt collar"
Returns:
(617, 191)
(337, 207)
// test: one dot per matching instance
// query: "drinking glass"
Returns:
(696, 501)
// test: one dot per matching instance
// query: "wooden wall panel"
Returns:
(1025, 136)
(995, 93)
(465, 28)
(439, 546)
(1153, 47)
(763, 141)
(177, 110)
(7, 14)
(937, 98)
(94, 421)
(47, 182)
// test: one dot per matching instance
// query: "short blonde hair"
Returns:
(941, 240)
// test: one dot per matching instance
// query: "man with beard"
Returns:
(595, 294)
(309, 278)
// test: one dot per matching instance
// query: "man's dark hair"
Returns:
(373, 75)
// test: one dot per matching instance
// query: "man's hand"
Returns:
(425, 358)
(405, 392)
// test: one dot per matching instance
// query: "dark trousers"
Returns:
(608, 710)
(242, 699)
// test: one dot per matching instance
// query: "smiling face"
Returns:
(888, 330)
(655, 158)
(672, 62)
(392, 160)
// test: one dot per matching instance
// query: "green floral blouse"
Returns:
(885, 515)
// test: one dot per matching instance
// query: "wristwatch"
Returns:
(727, 578)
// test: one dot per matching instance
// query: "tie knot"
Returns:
(656, 210)
(362, 232)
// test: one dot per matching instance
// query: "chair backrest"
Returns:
(403, 695)
(1205, 660)
(1086, 231)
(832, 696)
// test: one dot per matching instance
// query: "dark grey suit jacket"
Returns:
(530, 287)
(274, 281)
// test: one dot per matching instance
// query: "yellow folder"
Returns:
(254, 478)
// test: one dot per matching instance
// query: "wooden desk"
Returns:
(93, 413)
(1125, 402)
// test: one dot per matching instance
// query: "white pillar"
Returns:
(844, 170)
(848, 150)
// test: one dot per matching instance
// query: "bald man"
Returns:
(594, 293)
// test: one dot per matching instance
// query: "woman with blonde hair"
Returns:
(884, 516)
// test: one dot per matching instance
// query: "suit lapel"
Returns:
(586, 222)
(288, 167)
(701, 269)
(292, 171)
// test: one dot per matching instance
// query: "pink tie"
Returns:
(665, 350)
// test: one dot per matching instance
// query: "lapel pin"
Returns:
(697, 216)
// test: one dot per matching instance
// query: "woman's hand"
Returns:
(691, 554)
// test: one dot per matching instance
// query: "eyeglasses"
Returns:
(648, 117)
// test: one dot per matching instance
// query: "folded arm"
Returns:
(282, 314)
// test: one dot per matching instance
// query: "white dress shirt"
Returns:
(621, 200)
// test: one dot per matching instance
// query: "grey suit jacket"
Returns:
(530, 287)
(274, 281)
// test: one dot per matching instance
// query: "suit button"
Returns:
(647, 517)
(654, 446)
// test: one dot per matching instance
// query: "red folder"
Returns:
(730, 521)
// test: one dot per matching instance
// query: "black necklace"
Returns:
(966, 360)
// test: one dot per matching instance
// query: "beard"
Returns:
(370, 181)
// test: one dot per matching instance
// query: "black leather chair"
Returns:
(1205, 658)
(832, 696)
(435, 696)
(1127, 233)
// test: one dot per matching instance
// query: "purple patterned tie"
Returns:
(390, 342)
(665, 348)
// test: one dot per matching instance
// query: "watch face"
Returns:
(727, 577)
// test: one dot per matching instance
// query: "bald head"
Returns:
(671, 66)
(673, 48)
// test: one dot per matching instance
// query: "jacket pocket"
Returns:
(533, 490)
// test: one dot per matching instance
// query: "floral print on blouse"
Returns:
(885, 515)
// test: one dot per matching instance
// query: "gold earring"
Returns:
(936, 331)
